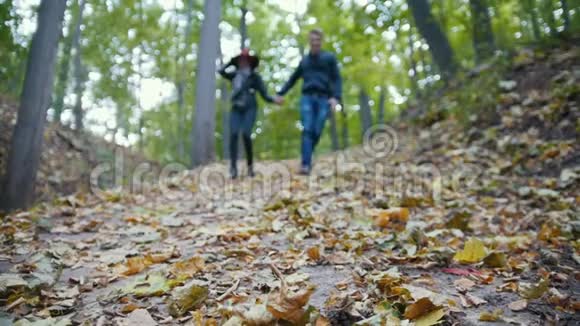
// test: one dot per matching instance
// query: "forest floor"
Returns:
(448, 224)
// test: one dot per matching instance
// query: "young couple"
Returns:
(321, 92)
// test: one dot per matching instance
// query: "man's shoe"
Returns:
(305, 170)
(233, 173)
(251, 173)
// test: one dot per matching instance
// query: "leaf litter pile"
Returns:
(492, 237)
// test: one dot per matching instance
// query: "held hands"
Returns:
(279, 100)
(333, 102)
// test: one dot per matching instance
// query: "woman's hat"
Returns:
(252, 59)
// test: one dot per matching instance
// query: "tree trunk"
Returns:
(548, 10)
(79, 73)
(225, 109)
(483, 40)
(26, 144)
(181, 83)
(243, 44)
(565, 14)
(530, 11)
(243, 26)
(203, 149)
(63, 72)
(366, 118)
(413, 64)
(438, 43)
(382, 101)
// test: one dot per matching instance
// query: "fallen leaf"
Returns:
(473, 300)
(393, 218)
(313, 253)
(286, 305)
(258, 314)
(491, 316)
(534, 291)
(148, 286)
(186, 298)
(140, 317)
(473, 252)
(518, 305)
(464, 284)
(135, 265)
(461, 271)
(187, 268)
(130, 308)
(419, 308)
(495, 259)
(460, 220)
(430, 318)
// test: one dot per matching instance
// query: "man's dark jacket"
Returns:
(320, 74)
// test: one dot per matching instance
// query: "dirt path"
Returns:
(100, 261)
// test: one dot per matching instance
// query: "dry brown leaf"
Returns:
(420, 308)
(135, 265)
(286, 305)
(476, 301)
(321, 321)
(130, 308)
(393, 218)
(518, 305)
(187, 268)
(464, 284)
(313, 253)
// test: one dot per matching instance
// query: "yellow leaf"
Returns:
(431, 318)
(473, 252)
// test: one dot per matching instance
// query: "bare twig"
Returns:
(15, 304)
(229, 291)
(279, 275)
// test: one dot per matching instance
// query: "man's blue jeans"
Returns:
(314, 111)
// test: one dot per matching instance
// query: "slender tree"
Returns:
(382, 103)
(244, 25)
(203, 149)
(565, 14)
(483, 40)
(181, 81)
(438, 43)
(366, 118)
(63, 73)
(79, 69)
(26, 144)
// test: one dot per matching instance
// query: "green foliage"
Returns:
(11, 52)
(130, 44)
